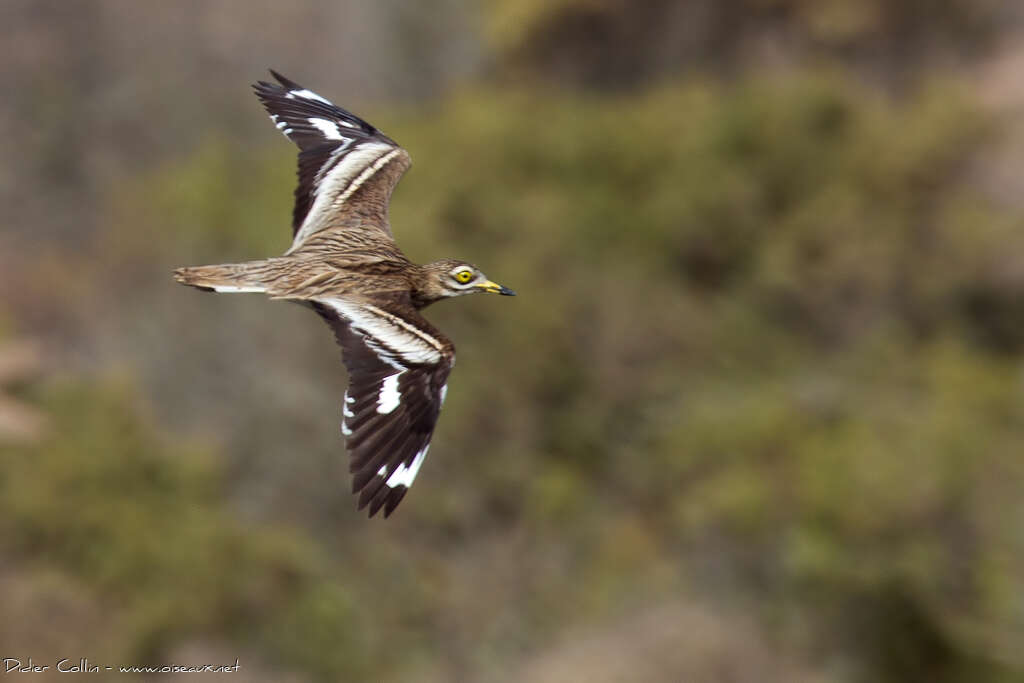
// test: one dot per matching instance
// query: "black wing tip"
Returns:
(377, 495)
(360, 480)
(283, 85)
(286, 82)
(394, 498)
(388, 499)
(275, 95)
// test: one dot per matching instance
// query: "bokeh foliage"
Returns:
(604, 44)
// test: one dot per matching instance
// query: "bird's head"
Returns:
(451, 277)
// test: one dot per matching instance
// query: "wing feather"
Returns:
(347, 168)
(398, 367)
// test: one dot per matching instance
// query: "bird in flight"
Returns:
(344, 264)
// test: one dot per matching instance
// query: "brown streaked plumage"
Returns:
(344, 264)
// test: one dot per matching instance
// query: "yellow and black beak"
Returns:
(494, 288)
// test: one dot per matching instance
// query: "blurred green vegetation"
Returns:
(143, 530)
(767, 349)
(606, 44)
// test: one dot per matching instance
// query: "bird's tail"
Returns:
(228, 277)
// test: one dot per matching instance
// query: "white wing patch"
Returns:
(389, 397)
(281, 125)
(345, 431)
(224, 289)
(307, 94)
(328, 128)
(404, 476)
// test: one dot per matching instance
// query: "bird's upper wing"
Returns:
(398, 367)
(347, 168)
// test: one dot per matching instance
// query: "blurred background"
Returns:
(757, 412)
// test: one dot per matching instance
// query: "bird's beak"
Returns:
(495, 288)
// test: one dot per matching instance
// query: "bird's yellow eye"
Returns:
(464, 276)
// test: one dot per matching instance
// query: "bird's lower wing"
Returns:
(398, 367)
